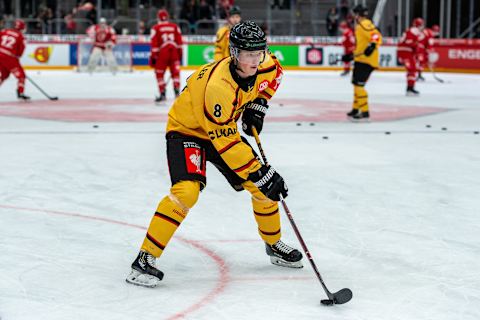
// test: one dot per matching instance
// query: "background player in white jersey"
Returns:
(104, 38)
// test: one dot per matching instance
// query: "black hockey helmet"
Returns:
(360, 10)
(235, 10)
(247, 36)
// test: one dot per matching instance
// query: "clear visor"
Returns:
(251, 57)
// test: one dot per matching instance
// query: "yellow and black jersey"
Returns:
(366, 33)
(221, 44)
(213, 101)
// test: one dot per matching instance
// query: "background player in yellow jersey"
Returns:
(368, 40)
(202, 126)
(221, 43)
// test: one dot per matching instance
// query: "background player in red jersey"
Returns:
(406, 52)
(166, 51)
(425, 48)
(348, 43)
(12, 45)
(104, 39)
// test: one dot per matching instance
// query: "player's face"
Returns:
(251, 57)
(234, 19)
(248, 61)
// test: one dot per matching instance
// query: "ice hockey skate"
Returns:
(284, 255)
(161, 98)
(144, 273)
(411, 92)
(360, 117)
(353, 112)
(22, 96)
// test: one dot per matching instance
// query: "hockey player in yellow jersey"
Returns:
(368, 40)
(221, 43)
(202, 126)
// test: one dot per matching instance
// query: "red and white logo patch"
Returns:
(263, 85)
(195, 161)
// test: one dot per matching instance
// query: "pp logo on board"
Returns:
(314, 56)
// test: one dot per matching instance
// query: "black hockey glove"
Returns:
(270, 183)
(253, 115)
(152, 61)
(347, 57)
(369, 50)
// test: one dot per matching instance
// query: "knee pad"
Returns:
(185, 194)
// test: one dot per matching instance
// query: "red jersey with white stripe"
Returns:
(12, 43)
(165, 34)
(426, 40)
(348, 40)
(102, 34)
(410, 40)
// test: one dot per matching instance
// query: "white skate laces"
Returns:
(282, 247)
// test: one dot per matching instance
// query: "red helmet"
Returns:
(162, 15)
(20, 25)
(418, 22)
(436, 28)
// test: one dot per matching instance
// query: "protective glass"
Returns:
(251, 57)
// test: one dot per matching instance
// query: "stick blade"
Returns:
(54, 98)
(342, 296)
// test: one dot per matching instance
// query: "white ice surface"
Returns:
(396, 218)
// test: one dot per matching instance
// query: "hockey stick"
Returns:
(435, 75)
(340, 297)
(41, 90)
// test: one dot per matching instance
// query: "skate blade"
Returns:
(363, 120)
(142, 279)
(283, 263)
(411, 94)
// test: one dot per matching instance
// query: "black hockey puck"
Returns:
(444, 129)
(475, 132)
(299, 124)
(95, 126)
(280, 104)
(428, 126)
(325, 137)
(327, 302)
(312, 123)
(387, 132)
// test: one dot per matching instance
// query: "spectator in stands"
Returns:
(281, 4)
(70, 24)
(345, 12)
(205, 10)
(45, 14)
(142, 29)
(189, 12)
(223, 9)
(89, 11)
(332, 22)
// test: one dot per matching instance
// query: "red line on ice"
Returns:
(222, 281)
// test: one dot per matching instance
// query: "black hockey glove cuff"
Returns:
(253, 115)
(369, 50)
(347, 57)
(270, 183)
(152, 61)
